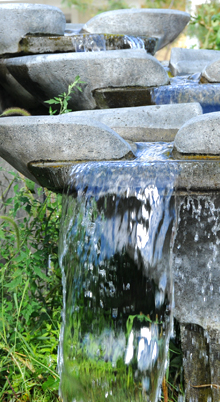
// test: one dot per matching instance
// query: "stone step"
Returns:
(47, 76)
(20, 19)
(146, 123)
(163, 24)
(57, 138)
(80, 43)
(190, 61)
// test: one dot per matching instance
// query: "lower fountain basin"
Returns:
(192, 175)
(181, 91)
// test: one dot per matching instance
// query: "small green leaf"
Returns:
(50, 101)
(51, 383)
(14, 283)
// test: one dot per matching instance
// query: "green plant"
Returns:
(30, 293)
(172, 4)
(63, 99)
(94, 8)
(206, 25)
(15, 111)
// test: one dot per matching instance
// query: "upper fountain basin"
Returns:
(46, 76)
(19, 19)
(163, 24)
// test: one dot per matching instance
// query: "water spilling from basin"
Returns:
(82, 42)
(115, 249)
(185, 89)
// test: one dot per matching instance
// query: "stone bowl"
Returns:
(48, 75)
(164, 24)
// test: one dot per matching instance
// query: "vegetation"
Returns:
(30, 293)
(31, 298)
(205, 26)
(14, 111)
(94, 7)
(62, 100)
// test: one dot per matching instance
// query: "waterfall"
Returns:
(99, 42)
(89, 43)
(115, 248)
(135, 42)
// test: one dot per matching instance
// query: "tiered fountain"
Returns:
(138, 162)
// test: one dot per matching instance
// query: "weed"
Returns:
(30, 294)
(63, 99)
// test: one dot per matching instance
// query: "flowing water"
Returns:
(102, 42)
(115, 251)
(123, 236)
(185, 89)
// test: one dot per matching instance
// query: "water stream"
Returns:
(100, 42)
(115, 250)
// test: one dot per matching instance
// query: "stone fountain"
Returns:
(128, 98)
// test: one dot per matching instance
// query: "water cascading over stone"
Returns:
(115, 244)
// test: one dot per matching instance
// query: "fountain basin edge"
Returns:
(192, 175)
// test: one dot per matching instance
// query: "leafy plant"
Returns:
(30, 293)
(63, 99)
(206, 25)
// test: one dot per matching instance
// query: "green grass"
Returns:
(30, 294)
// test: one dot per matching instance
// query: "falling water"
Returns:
(88, 43)
(100, 42)
(185, 89)
(135, 42)
(115, 248)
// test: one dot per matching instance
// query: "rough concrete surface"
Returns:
(17, 20)
(200, 135)
(211, 73)
(46, 76)
(56, 138)
(163, 24)
(146, 123)
(38, 44)
(190, 61)
(196, 260)
(22, 97)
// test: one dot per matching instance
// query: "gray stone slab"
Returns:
(193, 175)
(46, 76)
(200, 135)
(190, 61)
(56, 138)
(22, 97)
(19, 19)
(147, 123)
(196, 259)
(211, 73)
(163, 24)
(31, 44)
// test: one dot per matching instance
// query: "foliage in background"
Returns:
(205, 26)
(94, 7)
(30, 293)
(171, 4)
(90, 6)
(63, 99)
